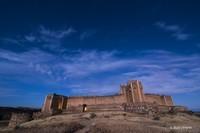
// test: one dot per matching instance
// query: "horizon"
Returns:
(91, 47)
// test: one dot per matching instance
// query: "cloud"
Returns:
(87, 34)
(42, 37)
(92, 71)
(50, 39)
(175, 30)
(25, 57)
(45, 38)
(181, 36)
(56, 34)
(11, 40)
(30, 38)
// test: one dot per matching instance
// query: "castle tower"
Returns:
(54, 103)
(137, 89)
(133, 91)
(128, 93)
(47, 103)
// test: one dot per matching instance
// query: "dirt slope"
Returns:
(111, 122)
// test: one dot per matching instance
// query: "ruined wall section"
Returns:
(18, 118)
(95, 100)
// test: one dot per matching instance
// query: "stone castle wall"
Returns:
(95, 100)
(132, 92)
(159, 99)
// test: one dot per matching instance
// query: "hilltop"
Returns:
(110, 122)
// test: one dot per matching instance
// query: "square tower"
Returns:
(133, 91)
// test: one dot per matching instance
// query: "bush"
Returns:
(106, 116)
(92, 115)
(156, 118)
(124, 114)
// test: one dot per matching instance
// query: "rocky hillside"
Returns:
(111, 122)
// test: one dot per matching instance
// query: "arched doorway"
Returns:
(84, 108)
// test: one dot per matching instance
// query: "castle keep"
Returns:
(130, 93)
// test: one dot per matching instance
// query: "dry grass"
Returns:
(111, 122)
(60, 128)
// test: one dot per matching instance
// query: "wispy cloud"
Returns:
(43, 37)
(175, 30)
(30, 38)
(102, 71)
(56, 34)
(50, 39)
(87, 34)
(181, 36)
(11, 40)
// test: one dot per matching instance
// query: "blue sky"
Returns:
(91, 47)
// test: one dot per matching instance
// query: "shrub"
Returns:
(92, 115)
(156, 118)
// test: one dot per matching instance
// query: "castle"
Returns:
(132, 92)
